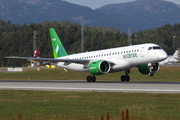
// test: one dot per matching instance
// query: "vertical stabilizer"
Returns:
(176, 53)
(58, 48)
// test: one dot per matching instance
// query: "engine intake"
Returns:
(99, 67)
(149, 68)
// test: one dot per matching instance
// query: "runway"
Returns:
(99, 86)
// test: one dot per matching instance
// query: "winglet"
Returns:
(58, 48)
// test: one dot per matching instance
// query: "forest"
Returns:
(17, 40)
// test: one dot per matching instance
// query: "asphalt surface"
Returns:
(100, 86)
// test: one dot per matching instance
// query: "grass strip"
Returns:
(45, 105)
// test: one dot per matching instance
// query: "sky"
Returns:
(93, 4)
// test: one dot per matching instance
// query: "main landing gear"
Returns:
(91, 79)
(125, 77)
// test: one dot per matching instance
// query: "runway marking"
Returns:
(99, 89)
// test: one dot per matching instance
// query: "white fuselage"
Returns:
(120, 59)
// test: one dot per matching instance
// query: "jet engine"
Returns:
(99, 67)
(150, 68)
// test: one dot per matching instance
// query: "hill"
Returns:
(38, 11)
(140, 14)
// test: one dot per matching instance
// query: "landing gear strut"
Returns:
(151, 74)
(91, 79)
(125, 77)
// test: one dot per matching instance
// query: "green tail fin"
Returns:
(58, 49)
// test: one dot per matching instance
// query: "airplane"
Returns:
(171, 59)
(144, 56)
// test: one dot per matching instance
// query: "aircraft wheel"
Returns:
(127, 78)
(89, 78)
(93, 79)
(123, 78)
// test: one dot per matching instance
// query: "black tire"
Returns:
(89, 78)
(93, 79)
(123, 78)
(127, 78)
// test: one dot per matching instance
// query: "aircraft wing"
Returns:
(51, 60)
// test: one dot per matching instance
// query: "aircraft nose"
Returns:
(162, 56)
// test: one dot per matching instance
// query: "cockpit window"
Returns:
(156, 47)
(150, 48)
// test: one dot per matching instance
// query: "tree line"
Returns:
(17, 40)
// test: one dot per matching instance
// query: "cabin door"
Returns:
(142, 51)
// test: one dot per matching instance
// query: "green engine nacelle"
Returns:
(145, 69)
(99, 67)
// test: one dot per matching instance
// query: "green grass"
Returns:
(164, 74)
(39, 105)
